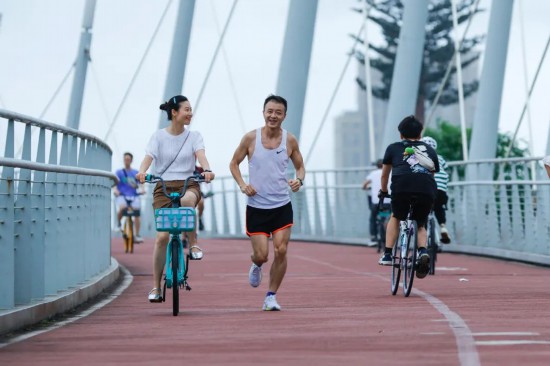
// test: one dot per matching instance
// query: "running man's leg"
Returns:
(278, 267)
(260, 249)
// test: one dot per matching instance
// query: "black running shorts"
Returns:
(267, 221)
(422, 205)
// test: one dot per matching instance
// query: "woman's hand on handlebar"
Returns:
(141, 177)
(208, 176)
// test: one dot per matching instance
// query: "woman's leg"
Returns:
(159, 257)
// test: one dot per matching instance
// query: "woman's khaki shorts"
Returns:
(161, 201)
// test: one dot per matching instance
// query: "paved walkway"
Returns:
(337, 309)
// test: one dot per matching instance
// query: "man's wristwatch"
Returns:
(300, 180)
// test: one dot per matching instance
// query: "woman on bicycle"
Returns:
(174, 150)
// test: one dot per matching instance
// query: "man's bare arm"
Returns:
(298, 161)
(242, 152)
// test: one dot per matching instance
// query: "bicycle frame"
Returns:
(404, 253)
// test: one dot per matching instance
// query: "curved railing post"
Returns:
(7, 253)
(54, 216)
(22, 236)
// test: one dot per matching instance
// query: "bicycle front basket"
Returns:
(175, 219)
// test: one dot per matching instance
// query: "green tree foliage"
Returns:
(449, 142)
(438, 49)
(449, 145)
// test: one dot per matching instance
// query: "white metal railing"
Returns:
(508, 211)
(54, 216)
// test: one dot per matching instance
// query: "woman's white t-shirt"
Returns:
(163, 147)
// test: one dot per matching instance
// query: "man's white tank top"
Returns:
(268, 174)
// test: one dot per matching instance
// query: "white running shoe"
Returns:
(138, 239)
(255, 275)
(270, 304)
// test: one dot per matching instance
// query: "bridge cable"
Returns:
(50, 102)
(526, 104)
(229, 73)
(335, 91)
(434, 104)
(102, 101)
(218, 47)
(138, 69)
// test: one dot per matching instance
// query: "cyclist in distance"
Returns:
(412, 164)
(129, 187)
(372, 184)
(174, 150)
(441, 199)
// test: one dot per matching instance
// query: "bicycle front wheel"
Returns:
(409, 260)
(396, 266)
(175, 281)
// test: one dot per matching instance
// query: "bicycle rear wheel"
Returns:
(432, 246)
(128, 235)
(175, 282)
(409, 260)
(396, 267)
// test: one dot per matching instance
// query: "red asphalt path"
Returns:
(337, 309)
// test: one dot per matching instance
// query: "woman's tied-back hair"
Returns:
(172, 104)
(410, 127)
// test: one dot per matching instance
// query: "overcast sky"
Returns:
(39, 40)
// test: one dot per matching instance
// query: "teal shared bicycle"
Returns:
(175, 220)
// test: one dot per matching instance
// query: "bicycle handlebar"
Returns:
(381, 199)
(150, 178)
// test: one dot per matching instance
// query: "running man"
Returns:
(269, 210)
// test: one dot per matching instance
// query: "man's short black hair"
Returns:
(410, 127)
(276, 99)
(129, 154)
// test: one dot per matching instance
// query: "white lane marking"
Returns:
(128, 278)
(451, 269)
(467, 352)
(509, 342)
(490, 334)
(466, 346)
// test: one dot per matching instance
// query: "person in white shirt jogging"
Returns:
(174, 150)
(269, 210)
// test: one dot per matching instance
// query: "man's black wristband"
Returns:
(300, 180)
